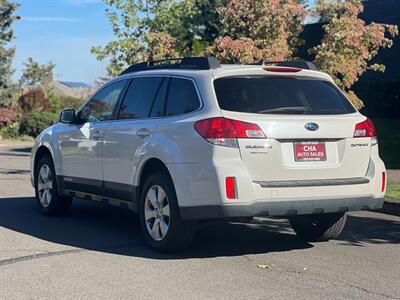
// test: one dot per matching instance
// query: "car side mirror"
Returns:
(67, 116)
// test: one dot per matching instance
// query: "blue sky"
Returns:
(62, 31)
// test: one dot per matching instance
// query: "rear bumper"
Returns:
(281, 207)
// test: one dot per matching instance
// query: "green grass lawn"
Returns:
(393, 191)
(388, 131)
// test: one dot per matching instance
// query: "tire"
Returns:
(156, 211)
(50, 203)
(319, 228)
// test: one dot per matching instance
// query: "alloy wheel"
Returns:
(157, 213)
(45, 185)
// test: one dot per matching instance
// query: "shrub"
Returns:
(10, 131)
(34, 100)
(58, 103)
(33, 123)
(8, 116)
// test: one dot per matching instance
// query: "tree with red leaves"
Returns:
(349, 43)
(258, 29)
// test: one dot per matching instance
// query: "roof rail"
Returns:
(301, 64)
(190, 63)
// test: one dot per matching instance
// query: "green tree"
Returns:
(7, 17)
(35, 73)
(193, 23)
(157, 29)
(251, 29)
(207, 24)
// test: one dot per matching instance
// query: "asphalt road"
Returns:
(98, 252)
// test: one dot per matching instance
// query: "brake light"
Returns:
(365, 129)
(282, 69)
(383, 182)
(225, 132)
(230, 185)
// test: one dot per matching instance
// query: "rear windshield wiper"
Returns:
(285, 110)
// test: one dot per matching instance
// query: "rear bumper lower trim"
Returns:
(318, 182)
(281, 207)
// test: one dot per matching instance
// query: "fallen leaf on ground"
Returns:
(264, 266)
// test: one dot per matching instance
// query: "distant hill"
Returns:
(77, 90)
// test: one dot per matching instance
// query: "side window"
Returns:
(159, 103)
(101, 107)
(139, 97)
(182, 97)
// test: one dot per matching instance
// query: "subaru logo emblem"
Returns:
(311, 126)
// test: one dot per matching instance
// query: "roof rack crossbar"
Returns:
(191, 63)
(302, 64)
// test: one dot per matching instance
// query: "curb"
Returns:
(391, 207)
(10, 144)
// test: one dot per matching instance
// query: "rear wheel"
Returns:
(161, 223)
(319, 228)
(49, 201)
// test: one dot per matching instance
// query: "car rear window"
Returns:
(280, 95)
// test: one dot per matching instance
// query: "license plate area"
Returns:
(309, 151)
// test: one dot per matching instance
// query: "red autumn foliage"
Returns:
(8, 115)
(34, 100)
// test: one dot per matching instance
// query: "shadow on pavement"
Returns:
(15, 154)
(108, 229)
(360, 230)
(23, 150)
(13, 171)
(112, 230)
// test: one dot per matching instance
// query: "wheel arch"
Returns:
(41, 151)
(149, 167)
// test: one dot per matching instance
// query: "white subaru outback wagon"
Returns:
(186, 141)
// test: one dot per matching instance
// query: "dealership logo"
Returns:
(311, 126)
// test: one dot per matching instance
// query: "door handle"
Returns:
(143, 132)
(97, 135)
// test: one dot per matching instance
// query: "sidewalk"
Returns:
(15, 168)
(10, 144)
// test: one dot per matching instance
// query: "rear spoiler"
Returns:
(301, 64)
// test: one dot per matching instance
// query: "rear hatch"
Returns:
(308, 123)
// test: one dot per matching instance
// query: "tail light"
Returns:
(225, 132)
(383, 182)
(230, 186)
(366, 129)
